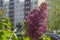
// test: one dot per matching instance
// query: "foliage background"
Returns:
(53, 20)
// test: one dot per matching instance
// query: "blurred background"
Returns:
(17, 10)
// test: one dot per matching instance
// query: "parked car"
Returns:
(53, 36)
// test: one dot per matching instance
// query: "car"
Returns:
(53, 36)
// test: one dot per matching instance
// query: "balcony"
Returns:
(11, 2)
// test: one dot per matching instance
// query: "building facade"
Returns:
(11, 11)
(16, 12)
(27, 6)
(6, 8)
(17, 9)
(32, 4)
(1, 4)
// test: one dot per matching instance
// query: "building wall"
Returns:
(36, 3)
(18, 12)
(11, 11)
(32, 4)
(27, 6)
(1, 4)
(21, 11)
(6, 8)
(14, 9)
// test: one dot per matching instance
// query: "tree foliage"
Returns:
(53, 21)
(5, 28)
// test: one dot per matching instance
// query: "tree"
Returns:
(53, 20)
(6, 34)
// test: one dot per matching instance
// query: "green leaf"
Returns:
(4, 37)
(26, 38)
(7, 22)
(45, 37)
(1, 33)
(22, 32)
(23, 24)
(7, 33)
(14, 37)
(1, 26)
(15, 30)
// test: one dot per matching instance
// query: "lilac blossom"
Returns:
(36, 22)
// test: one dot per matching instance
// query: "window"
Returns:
(0, 5)
(11, 18)
(11, 1)
(28, 1)
(22, 5)
(11, 5)
(25, 2)
(17, 1)
(25, 11)
(21, 14)
(17, 6)
(28, 7)
(35, 2)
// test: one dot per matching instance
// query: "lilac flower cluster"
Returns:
(35, 22)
